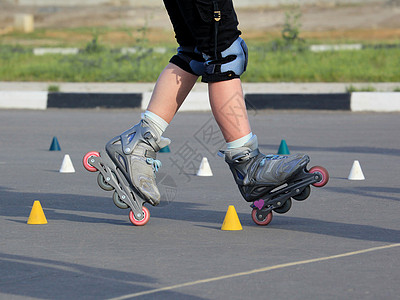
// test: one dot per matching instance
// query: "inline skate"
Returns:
(128, 166)
(270, 182)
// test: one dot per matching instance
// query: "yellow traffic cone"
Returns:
(37, 215)
(231, 221)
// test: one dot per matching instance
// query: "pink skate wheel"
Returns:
(323, 172)
(256, 220)
(142, 222)
(86, 160)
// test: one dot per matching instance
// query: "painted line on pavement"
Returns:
(255, 271)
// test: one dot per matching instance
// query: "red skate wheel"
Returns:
(323, 172)
(263, 222)
(86, 162)
(142, 222)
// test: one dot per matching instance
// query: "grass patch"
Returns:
(53, 88)
(269, 62)
(96, 64)
(352, 89)
(370, 65)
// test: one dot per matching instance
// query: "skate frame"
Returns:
(113, 177)
(278, 197)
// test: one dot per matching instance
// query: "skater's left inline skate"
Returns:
(270, 182)
(128, 166)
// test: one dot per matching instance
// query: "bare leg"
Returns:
(172, 87)
(229, 109)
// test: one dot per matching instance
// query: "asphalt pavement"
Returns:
(343, 242)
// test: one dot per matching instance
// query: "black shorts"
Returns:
(194, 24)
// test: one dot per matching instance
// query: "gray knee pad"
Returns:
(231, 63)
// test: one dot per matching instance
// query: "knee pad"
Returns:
(230, 64)
(189, 59)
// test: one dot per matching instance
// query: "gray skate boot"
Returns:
(257, 174)
(134, 153)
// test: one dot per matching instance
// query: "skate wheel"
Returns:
(303, 195)
(101, 181)
(118, 202)
(323, 172)
(258, 221)
(86, 162)
(142, 222)
(284, 208)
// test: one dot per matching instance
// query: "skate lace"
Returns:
(155, 163)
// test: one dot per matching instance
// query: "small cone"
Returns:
(66, 166)
(231, 221)
(356, 173)
(204, 169)
(165, 150)
(283, 148)
(37, 216)
(55, 146)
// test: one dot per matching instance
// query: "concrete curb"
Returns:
(23, 100)
(93, 100)
(198, 100)
(323, 101)
(380, 102)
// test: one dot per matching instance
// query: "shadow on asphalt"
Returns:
(376, 192)
(51, 279)
(74, 208)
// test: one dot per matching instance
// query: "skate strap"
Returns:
(131, 137)
(140, 151)
(150, 156)
(151, 140)
(244, 156)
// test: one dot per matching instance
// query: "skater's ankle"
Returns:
(159, 124)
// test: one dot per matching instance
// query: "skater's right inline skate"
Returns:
(128, 167)
(270, 182)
